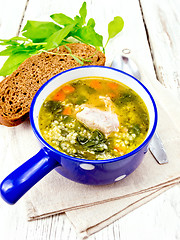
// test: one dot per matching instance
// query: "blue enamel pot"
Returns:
(96, 172)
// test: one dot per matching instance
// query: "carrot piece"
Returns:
(68, 89)
(112, 85)
(59, 96)
(112, 95)
(95, 84)
(67, 111)
(120, 150)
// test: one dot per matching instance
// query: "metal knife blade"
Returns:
(157, 149)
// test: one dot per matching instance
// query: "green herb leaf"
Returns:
(80, 100)
(78, 22)
(135, 129)
(64, 133)
(62, 19)
(24, 39)
(81, 20)
(83, 13)
(68, 48)
(55, 39)
(82, 140)
(77, 59)
(53, 106)
(91, 23)
(114, 27)
(11, 49)
(12, 63)
(8, 51)
(39, 36)
(8, 42)
(13, 41)
(88, 35)
(39, 31)
(99, 147)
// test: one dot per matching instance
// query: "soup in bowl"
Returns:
(94, 118)
(94, 125)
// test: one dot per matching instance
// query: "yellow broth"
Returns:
(61, 129)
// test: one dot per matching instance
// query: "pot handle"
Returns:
(14, 186)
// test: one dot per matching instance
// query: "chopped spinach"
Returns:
(66, 119)
(97, 137)
(125, 98)
(78, 126)
(99, 148)
(82, 140)
(135, 129)
(89, 89)
(96, 143)
(80, 100)
(53, 106)
(76, 83)
(81, 153)
(64, 133)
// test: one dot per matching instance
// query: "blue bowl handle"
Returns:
(14, 186)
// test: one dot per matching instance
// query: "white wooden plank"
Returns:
(162, 20)
(159, 219)
(11, 13)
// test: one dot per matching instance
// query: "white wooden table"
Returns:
(152, 33)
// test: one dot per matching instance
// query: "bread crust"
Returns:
(18, 89)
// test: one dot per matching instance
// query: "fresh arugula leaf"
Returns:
(11, 49)
(24, 39)
(55, 40)
(39, 31)
(68, 48)
(8, 42)
(62, 19)
(12, 63)
(13, 41)
(77, 59)
(114, 27)
(83, 13)
(91, 23)
(88, 35)
(41, 36)
(80, 20)
(8, 51)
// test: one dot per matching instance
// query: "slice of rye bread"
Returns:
(18, 89)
